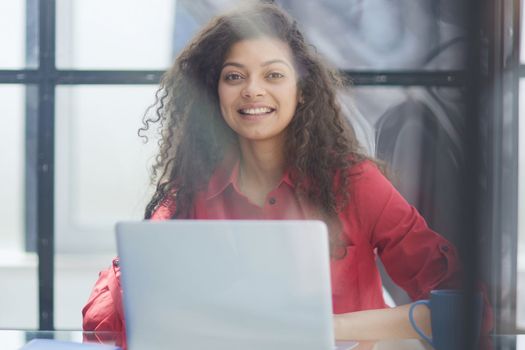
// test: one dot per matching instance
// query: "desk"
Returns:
(15, 339)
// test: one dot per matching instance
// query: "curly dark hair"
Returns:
(320, 143)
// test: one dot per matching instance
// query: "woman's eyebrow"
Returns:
(235, 64)
(264, 64)
(267, 63)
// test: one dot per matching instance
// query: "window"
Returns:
(102, 166)
(88, 100)
(131, 34)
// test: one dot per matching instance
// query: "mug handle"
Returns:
(411, 317)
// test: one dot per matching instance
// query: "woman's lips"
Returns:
(256, 110)
(256, 117)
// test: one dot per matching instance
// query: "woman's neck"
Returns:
(261, 168)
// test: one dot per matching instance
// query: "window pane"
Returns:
(377, 34)
(118, 34)
(520, 293)
(102, 176)
(384, 34)
(13, 170)
(16, 267)
(101, 163)
(18, 34)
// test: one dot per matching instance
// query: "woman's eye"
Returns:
(275, 75)
(232, 76)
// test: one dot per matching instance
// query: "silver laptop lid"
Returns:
(226, 284)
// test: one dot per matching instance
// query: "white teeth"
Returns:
(259, 110)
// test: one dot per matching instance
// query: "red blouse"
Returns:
(377, 221)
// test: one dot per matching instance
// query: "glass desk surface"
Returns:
(15, 339)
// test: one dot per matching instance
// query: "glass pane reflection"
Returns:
(418, 132)
(520, 292)
(369, 35)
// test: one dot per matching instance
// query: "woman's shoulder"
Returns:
(364, 168)
(367, 182)
(165, 210)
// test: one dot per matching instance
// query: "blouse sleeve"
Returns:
(103, 311)
(416, 258)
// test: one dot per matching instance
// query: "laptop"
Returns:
(226, 284)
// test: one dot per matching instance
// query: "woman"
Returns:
(251, 129)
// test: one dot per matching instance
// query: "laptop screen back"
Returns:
(226, 284)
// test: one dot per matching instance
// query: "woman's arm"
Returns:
(381, 324)
(103, 311)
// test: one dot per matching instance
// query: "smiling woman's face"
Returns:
(258, 89)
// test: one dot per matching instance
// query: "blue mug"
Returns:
(446, 316)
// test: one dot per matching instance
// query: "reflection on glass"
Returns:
(102, 173)
(520, 292)
(376, 34)
(383, 34)
(119, 34)
(522, 38)
(18, 34)
(418, 132)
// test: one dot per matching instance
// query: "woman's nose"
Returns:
(253, 88)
